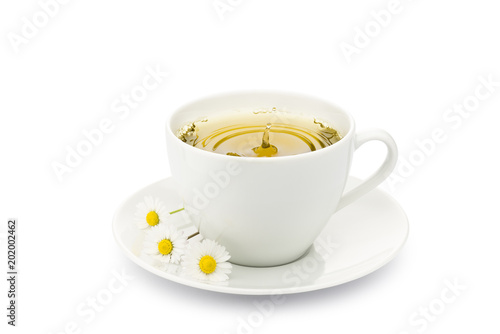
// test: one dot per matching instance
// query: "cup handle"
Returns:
(381, 174)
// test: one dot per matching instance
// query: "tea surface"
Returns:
(259, 134)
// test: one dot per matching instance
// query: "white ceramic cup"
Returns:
(268, 211)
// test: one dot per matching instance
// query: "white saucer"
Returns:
(363, 237)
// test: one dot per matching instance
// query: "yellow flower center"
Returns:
(152, 218)
(207, 264)
(165, 246)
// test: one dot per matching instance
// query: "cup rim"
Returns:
(345, 139)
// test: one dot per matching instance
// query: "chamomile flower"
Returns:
(150, 212)
(207, 261)
(164, 243)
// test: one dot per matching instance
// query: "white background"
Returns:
(64, 79)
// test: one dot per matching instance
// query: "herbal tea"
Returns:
(259, 134)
